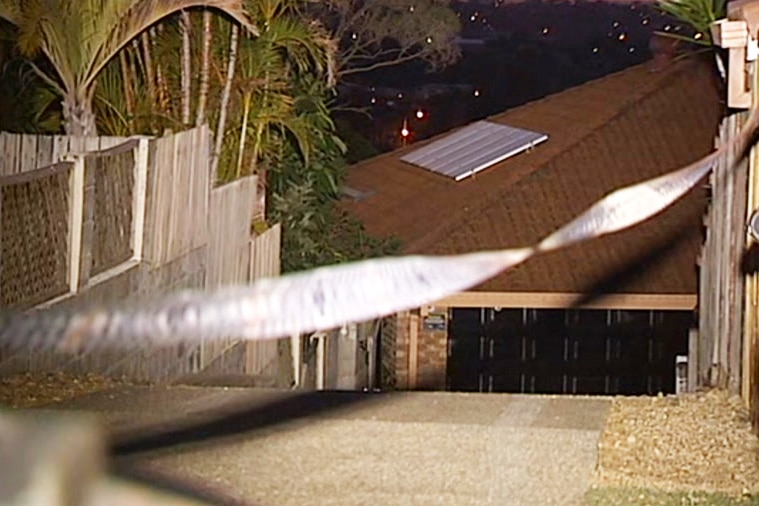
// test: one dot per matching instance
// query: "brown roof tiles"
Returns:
(605, 134)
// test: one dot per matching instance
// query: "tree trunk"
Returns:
(186, 26)
(243, 132)
(163, 93)
(79, 120)
(147, 59)
(128, 76)
(225, 94)
(205, 66)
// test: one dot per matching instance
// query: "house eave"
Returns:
(553, 300)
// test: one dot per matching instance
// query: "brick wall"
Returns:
(401, 350)
(432, 358)
(428, 358)
(394, 352)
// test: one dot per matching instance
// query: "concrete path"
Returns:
(284, 448)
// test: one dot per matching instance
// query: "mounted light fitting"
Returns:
(753, 225)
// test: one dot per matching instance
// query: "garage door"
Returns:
(565, 351)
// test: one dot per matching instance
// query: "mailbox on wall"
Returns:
(435, 321)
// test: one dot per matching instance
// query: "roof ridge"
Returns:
(496, 193)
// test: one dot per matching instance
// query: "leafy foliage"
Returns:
(35, 107)
(80, 37)
(271, 68)
(315, 230)
(700, 14)
(119, 69)
(380, 33)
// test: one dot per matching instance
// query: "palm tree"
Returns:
(205, 68)
(271, 65)
(79, 37)
(699, 14)
(225, 96)
(185, 24)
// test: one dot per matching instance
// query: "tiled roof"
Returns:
(604, 134)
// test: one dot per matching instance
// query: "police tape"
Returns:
(329, 297)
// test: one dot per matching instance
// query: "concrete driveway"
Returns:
(269, 447)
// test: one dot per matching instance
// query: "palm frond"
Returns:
(80, 37)
(10, 10)
(699, 14)
(123, 20)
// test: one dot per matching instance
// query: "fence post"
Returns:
(88, 221)
(50, 460)
(76, 214)
(140, 197)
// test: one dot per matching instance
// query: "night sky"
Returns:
(513, 52)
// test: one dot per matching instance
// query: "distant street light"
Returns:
(405, 132)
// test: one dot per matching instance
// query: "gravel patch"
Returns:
(694, 442)
(29, 390)
(699, 441)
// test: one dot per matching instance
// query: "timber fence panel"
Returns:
(721, 286)
(26, 152)
(230, 209)
(28, 155)
(750, 350)
(263, 357)
(35, 235)
(114, 181)
(147, 199)
(10, 153)
(265, 256)
(177, 196)
(45, 145)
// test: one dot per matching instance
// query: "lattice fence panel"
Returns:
(388, 343)
(114, 193)
(34, 265)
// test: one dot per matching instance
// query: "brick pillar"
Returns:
(427, 361)
(403, 320)
(432, 352)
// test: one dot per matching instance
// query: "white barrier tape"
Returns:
(331, 296)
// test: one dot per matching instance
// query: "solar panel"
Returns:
(472, 149)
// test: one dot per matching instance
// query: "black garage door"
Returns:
(565, 351)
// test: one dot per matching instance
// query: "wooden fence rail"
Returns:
(70, 221)
(25, 152)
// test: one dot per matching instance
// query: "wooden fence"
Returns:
(178, 195)
(135, 218)
(750, 267)
(25, 152)
(234, 257)
(33, 236)
(724, 353)
(716, 357)
(262, 358)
